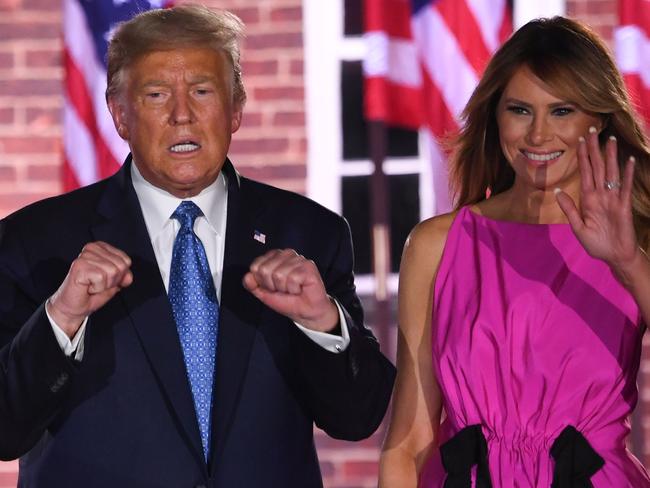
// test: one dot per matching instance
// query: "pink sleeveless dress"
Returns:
(533, 341)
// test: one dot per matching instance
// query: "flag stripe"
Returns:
(424, 79)
(632, 48)
(490, 17)
(68, 177)
(429, 29)
(640, 95)
(80, 47)
(82, 104)
(81, 157)
(636, 13)
(395, 59)
(92, 147)
(436, 111)
(439, 170)
(505, 29)
(466, 32)
(394, 21)
(399, 107)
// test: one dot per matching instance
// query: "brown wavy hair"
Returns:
(577, 65)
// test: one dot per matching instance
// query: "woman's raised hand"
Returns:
(603, 224)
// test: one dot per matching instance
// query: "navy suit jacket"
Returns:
(123, 416)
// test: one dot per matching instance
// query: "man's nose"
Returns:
(181, 110)
(540, 131)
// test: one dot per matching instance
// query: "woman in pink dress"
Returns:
(521, 315)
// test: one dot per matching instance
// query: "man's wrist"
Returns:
(69, 325)
(329, 323)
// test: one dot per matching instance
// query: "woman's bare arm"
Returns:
(417, 403)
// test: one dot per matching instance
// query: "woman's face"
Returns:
(539, 132)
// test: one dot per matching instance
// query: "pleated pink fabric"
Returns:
(530, 334)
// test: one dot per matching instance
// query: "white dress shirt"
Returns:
(157, 207)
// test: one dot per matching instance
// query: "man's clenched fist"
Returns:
(98, 273)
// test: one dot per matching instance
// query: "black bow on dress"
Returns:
(575, 460)
(467, 448)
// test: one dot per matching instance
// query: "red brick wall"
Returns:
(30, 101)
(601, 15)
(271, 145)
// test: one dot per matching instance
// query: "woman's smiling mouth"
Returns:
(542, 157)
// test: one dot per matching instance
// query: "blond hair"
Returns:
(165, 29)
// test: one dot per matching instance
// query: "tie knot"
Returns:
(186, 213)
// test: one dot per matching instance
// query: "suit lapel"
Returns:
(121, 224)
(239, 311)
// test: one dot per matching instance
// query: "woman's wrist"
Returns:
(632, 270)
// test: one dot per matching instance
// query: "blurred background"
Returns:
(308, 67)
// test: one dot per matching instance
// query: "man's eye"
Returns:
(202, 91)
(154, 95)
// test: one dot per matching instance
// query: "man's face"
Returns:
(176, 111)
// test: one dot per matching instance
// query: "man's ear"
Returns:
(119, 117)
(236, 119)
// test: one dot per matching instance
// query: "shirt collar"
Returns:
(158, 205)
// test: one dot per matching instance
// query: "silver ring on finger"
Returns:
(612, 185)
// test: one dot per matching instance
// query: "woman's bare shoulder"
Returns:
(430, 234)
(424, 246)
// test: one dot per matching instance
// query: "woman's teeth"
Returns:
(542, 157)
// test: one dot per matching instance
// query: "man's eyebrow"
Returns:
(192, 81)
(201, 79)
(153, 83)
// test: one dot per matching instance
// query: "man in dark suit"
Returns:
(107, 327)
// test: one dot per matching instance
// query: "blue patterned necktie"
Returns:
(196, 311)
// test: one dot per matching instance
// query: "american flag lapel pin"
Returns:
(259, 237)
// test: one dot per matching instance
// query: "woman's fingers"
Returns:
(628, 180)
(586, 175)
(595, 158)
(612, 172)
(569, 208)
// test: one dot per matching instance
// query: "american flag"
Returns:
(632, 49)
(424, 58)
(92, 148)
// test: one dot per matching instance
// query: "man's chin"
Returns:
(181, 179)
(188, 187)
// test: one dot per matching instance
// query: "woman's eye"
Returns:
(561, 111)
(516, 109)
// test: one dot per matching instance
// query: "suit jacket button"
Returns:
(60, 381)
